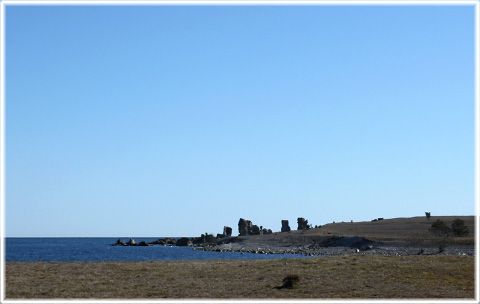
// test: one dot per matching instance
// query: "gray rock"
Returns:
(159, 242)
(170, 241)
(210, 239)
(302, 223)
(119, 242)
(227, 231)
(198, 240)
(266, 231)
(365, 248)
(244, 227)
(255, 230)
(285, 226)
(184, 242)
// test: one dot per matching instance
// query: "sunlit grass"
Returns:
(355, 276)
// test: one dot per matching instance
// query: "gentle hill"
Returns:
(412, 230)
(390, 229)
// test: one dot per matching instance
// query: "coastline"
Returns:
(311, 250)
(392, 258)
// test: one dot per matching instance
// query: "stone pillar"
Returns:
(285, 226)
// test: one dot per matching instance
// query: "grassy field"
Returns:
(354, 276)
(396, 229)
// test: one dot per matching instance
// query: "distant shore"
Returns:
(389, 237)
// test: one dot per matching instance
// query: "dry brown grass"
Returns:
(397, 229)
(355, 276)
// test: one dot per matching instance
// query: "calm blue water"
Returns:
(98, 249)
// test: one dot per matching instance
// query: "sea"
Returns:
(96, 249)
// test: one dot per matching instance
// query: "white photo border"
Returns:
(4, 3)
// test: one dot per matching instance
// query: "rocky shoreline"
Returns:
(389, 238)
(326, 246)
(310, 250)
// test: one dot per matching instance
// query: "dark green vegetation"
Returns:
(290, 281)
(458, 228)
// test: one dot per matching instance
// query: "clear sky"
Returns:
(178, 120)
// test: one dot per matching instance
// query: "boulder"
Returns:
(120, 242)
(143, 243)
(227, 231)
(170, 241)
(302, 223)
(159, 242)
(365, 248)
(198, 240)
(255, 230)
(210, 239)
(285, 226)
(266, 231)
(131, 242)
(184, 242)
(244, 227)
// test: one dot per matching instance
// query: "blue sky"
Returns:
(178, 120)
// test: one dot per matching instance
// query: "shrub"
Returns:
(427, 214)
(290, 281)
(442, 243)
(459, 228)
(440, 228)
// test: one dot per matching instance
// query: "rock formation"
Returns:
(170, 241)
(131, 242)
(227, 231)
(184, 242)
(206, 239)
(244, 227)
(285, 226)
(255, 230)
(197, 241)
(302, 223)
(210, 239)
(266, 231)
(159, 242)
(119, 243)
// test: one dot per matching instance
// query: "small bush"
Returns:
(442, 243)
(440, 228)
(459, 228)
(290, 281)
